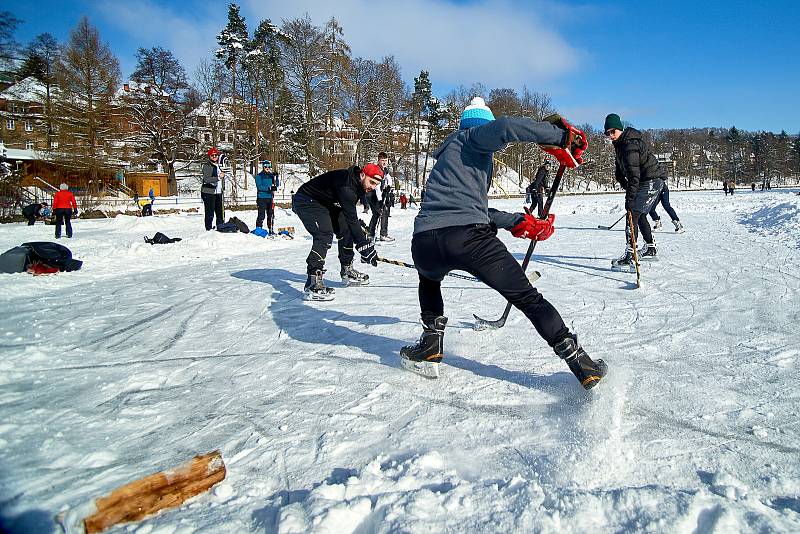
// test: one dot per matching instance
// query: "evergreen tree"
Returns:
(41, 56)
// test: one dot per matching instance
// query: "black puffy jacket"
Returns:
(635, 162)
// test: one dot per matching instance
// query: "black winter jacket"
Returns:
(635, 163)
(339, 191)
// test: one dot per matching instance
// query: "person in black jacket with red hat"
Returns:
(326, 206)
(642, 176)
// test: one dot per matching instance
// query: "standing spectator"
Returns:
(753, 187)
(642, 176)
(403, 200)
(411, 199)
(64, 208)
(152, 196)
(731, 186)
(380, 202)
(769, 185)
(725, 187)
(212, 189)
(664, 199)
(34, 211)
(267, 182)
(538, 187)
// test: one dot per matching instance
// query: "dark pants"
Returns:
(646, 198)
(477, 250)
(664, 199)
(265, 207)
(322, 224)
(63, 216)
(147, 210)
(213, 206)
(379, 212)
(536, 200)
(31, 219)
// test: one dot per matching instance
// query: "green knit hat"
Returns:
(613, 121)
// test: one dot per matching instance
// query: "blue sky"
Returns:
(659, 64)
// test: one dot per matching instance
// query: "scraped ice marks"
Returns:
(786, 359)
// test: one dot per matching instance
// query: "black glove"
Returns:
(74, 213)
(368, 255)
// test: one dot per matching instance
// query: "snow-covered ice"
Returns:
(150, 355)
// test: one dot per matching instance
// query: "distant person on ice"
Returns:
(64, 208)
(34, 211)
(326, 206)
(642, 176)
(456, 229)
(267, 183)
(212, 189)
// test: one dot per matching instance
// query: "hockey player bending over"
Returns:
(327, 205)
(455, 229)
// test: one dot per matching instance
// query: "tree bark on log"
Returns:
(159, 491)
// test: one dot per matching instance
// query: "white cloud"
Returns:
(498, 43)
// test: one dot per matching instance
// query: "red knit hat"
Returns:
(212, 151)
(372, 170)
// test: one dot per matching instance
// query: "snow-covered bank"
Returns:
(151, 354)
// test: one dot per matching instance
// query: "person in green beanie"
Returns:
(642, 176)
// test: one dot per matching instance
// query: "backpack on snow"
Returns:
(53, 254)
(228, 228)
(161, 239)
(240, 225)
(15, 260)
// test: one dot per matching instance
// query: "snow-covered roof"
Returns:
(18, 153)
(28, 90)
(135, 87)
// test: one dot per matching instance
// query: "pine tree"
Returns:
(41, 57)
(233, 40)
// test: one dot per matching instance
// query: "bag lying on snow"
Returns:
(53, 254)
(260, 232)
(161, 239)
(240, 224)
(228, 228)
(44, 255)
(15, 260)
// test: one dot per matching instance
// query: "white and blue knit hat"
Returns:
(475, 114)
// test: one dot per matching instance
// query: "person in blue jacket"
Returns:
(267, 182)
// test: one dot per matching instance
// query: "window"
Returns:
(54, 144)
(10, 124)
(30, 145)
(28, 126)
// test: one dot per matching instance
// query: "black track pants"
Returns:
(265, 207)
(477, 250)
(213, 206)
(322, 224)
(63, 216)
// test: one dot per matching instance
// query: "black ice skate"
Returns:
(678, 227)
(624, 263)
(424, 357)
(657, 224)
(588, 372)
(649, 252)
(315, 288)
(351, 277)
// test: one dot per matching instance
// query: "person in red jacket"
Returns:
(64, 208)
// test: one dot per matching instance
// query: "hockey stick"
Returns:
(483, 324)
(635, 252)
(601, 227)
(535, 275)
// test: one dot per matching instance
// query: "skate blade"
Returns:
(623, 269)
(319, 298)
(349, 282)
(424, 369)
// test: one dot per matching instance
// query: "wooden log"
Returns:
(159, 491)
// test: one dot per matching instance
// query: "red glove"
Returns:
(575, 144)
(532, 228)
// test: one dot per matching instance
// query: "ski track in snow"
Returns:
(152, 354)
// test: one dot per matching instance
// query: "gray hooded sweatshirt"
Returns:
(456, 193)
